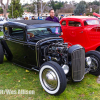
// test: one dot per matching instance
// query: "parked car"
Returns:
(83, 30)
(1, 25)
(36, 45)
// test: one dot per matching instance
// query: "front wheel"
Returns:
(95, 62)
(52, 78)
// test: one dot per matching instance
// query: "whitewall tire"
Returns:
(52, 78)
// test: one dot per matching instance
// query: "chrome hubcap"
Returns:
(94, 64)
(49, 79)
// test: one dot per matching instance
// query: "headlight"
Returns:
(88, 61)
(65, 68)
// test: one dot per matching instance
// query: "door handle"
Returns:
(81, 32)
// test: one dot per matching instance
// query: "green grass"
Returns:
(1, 33)
(14, 77)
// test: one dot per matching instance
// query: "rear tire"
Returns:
(8, 53)
(52, 78)
(1, 54)
(95, 56)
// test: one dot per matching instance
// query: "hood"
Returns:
(93, 27)
(96, 28)
(49, 40)
(96, 14)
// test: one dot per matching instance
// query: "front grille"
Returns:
(78, 64)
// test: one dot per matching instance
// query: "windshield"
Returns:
(91, 22)
(43, 31)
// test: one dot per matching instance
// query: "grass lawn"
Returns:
(14, 77)
(1, 33)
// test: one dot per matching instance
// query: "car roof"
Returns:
(2, 22)
(31, 23)
(80, 17)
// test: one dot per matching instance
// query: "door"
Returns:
(23, 52)
(74, 33)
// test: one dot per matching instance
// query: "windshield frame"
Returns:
(36, 36)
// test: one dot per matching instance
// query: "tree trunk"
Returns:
(4, 12)
(4, 7)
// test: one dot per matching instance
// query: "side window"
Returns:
(6, 32)
(63, 23)
(17, 33)
(74, 23)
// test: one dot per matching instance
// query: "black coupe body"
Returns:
(37, 45)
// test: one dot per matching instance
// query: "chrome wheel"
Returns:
(52, 78)
(94, 64)
(49, 79)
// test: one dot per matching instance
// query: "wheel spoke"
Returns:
(94, 64)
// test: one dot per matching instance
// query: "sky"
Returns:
(30, 1)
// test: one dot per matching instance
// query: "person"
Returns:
(84, 14)
(61, 17)
(52, 16)
(72, 14)
(33, 18)
(80, 14)
(26, 18)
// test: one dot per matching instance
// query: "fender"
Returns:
(9, 55)
(94, 47)
(73, 48)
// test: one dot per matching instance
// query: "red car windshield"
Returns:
(91, 22)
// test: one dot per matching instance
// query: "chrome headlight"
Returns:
(65, 68)
(88, 61)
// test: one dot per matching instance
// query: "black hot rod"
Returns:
(37, 45)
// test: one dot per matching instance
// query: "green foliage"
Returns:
(91, 14)
(31, 9)
(80, 8)
(1, 10)
(95, 3)
(17, 9)
(56, 5)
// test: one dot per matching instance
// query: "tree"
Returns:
(4, 7)
(80, 8)
(95, 2)
(15, 9)
(36, 7)
(1, 10)
(31, 8)
(56, 5)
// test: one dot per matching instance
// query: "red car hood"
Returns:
(96, 14)
(93, 27)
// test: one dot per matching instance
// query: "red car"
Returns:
(86, 32)
(82, 30)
